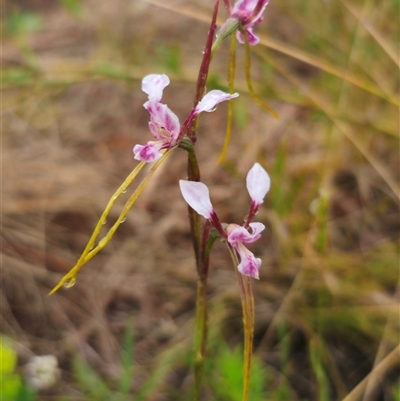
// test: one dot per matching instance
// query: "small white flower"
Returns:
(42, 372)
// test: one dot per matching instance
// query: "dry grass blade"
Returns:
(374, 33)
(391, 361)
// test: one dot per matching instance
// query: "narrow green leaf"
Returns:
(127, 360)
(89, 381)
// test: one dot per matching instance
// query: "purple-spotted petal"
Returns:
(249, 264)
(149, 152)
(154, 85)
(197, 196)
(258, 183)
(164, 123)
(211, 99)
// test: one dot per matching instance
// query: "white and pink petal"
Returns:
(197, 196)
(238, 234)
(257, 18)
(258, 183)
(164, 123)
(153, 85)
(244, 7)
(256, 230)
(149, 152)
(212, 99)
(251, 37)
(249, 265)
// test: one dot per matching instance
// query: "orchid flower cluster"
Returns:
(164, 123)
(196, 194)
(165, 127)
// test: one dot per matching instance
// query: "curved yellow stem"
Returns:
(90, 250)
(231, 81)
(247, 71)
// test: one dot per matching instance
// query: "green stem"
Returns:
(246, 295)
(195, 224)
(199, 236)
(208, 239)
(203, 240)
(200, 336)
(202, 273)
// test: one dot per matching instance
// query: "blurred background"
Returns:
(327, 303)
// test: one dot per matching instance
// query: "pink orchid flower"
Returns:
(196, 194)
(246, 13)
(249, 13)
(164, 123)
